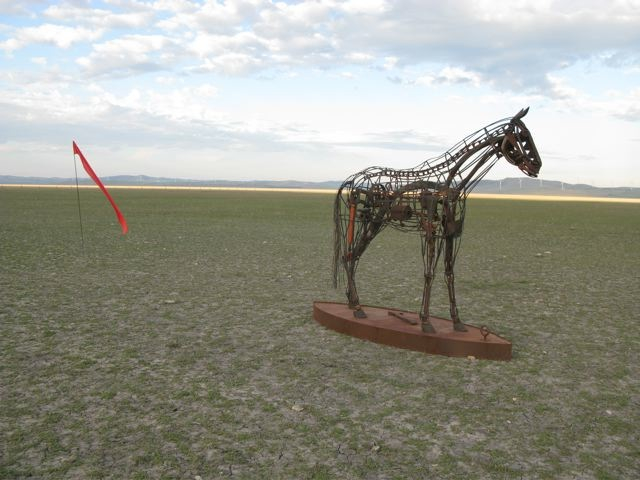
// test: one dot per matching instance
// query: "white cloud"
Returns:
(11, 7)
(229, 64)
(208, 45)
(99, 18)
(620, 104)
(58, 35)
(509, 54)
(370, 7)
(176, 6)
(166, 80)
(625, 106)
(449, 75)
(534, 10)
(297, 16)
(129, 55)
(359, 57)
(479, 39)
(559, 89)
(184, 104)
(390, 63)
(209, 17)
(10, 45)
(528, 53)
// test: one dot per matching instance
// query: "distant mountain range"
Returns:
(534, 186)
(511, 186)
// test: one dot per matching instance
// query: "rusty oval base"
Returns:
(401, 329)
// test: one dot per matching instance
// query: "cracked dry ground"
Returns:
(187, 349)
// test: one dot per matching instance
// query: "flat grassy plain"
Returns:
(187, 348)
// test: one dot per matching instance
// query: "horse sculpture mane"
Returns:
(428, 199)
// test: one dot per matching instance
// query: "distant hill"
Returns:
(534, 186)
(511, 186)
(146, 181)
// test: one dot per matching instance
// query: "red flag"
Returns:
(94, 177)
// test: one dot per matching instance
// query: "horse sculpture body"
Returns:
(428, 199)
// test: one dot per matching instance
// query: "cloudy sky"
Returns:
(256, 89)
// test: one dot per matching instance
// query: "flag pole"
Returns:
(75, 167)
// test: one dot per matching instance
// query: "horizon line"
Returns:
(491, 196)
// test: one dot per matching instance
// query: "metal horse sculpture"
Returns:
(428, 199)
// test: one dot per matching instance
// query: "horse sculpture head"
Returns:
(518, 147)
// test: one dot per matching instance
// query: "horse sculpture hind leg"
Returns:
(349, 245)
(359, 217)
(352, 292)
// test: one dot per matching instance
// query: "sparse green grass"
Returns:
(188, 348)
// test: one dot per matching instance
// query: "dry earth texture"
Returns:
(187, 348)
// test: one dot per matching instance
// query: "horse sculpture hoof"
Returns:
(359, 313)
(428, 328)
(459, 327)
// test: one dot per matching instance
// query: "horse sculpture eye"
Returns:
(510, 149)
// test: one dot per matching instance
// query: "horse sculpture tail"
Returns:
(337, 238)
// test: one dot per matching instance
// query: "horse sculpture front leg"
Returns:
(449, 261)
(429, 258)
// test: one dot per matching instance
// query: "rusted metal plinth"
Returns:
(401, 329)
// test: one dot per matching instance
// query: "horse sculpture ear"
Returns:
(521, 113)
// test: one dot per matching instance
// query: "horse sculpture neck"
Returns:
(466, 163)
